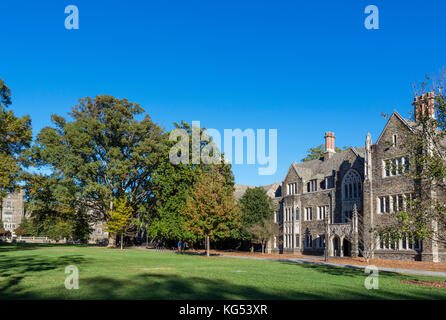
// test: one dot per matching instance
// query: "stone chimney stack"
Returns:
(424, 105)
(329, 145)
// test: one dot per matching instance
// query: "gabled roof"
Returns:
(319, 169)
(270, 189)
(409, 124)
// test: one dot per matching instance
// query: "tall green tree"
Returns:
(211, 209)
(15, 138)
(256, 207)
(52, 205)
(108, 151)
(172, 185)
(318, 152)
(57, 229)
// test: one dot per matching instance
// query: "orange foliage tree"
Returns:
(211, 210)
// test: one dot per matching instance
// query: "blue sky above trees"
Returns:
(302, 68)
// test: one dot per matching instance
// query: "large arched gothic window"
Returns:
(351, 185)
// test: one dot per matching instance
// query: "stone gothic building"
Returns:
(13, 210)
(324, 203)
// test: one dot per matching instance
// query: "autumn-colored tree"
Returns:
(4, 232)
(20, 231)
(120, 219)
(211, 210)
(263, 231)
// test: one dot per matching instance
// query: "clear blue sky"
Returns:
(301, 67)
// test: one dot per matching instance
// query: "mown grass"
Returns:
(38, 272)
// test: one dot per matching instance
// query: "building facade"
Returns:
(325, 203)
(13, 210)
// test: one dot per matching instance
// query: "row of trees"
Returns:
(109, 162)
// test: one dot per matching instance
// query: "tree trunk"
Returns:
(208, 246)
(147, 239)
(122, 241)
(111, 241)
(252, 248)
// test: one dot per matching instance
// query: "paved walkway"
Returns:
(308, 260)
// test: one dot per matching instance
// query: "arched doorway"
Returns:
(347, 248)
(336, 246)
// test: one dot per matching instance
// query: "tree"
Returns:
(15, 138)
(367, 237)
(5, 233)
(318, 152)
(424, 215)
(211, 209)
(263, 231)
(52, 204)
(28, 226)
(106, 152)
(2, 230)
(256, 207)
(120, 219)
(21, 231)
(56, 229)
(172, 185)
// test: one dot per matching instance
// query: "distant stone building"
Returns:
(99, 234)
(274, 191)
(13, 210)
(324, 201)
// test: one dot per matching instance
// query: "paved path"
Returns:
(308, 260)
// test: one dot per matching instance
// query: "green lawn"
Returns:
(37, 272)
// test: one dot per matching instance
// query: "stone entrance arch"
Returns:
(346, 248)
(336, 247)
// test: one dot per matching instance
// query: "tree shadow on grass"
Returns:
(14, 270)
(175, 287)
(333, 270)
(10, 247)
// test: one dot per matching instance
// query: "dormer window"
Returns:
(292, 188)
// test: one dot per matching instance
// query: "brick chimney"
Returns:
(424, 105)
(329, 145)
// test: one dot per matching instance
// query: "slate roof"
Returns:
(320, 168)
(273, 190)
